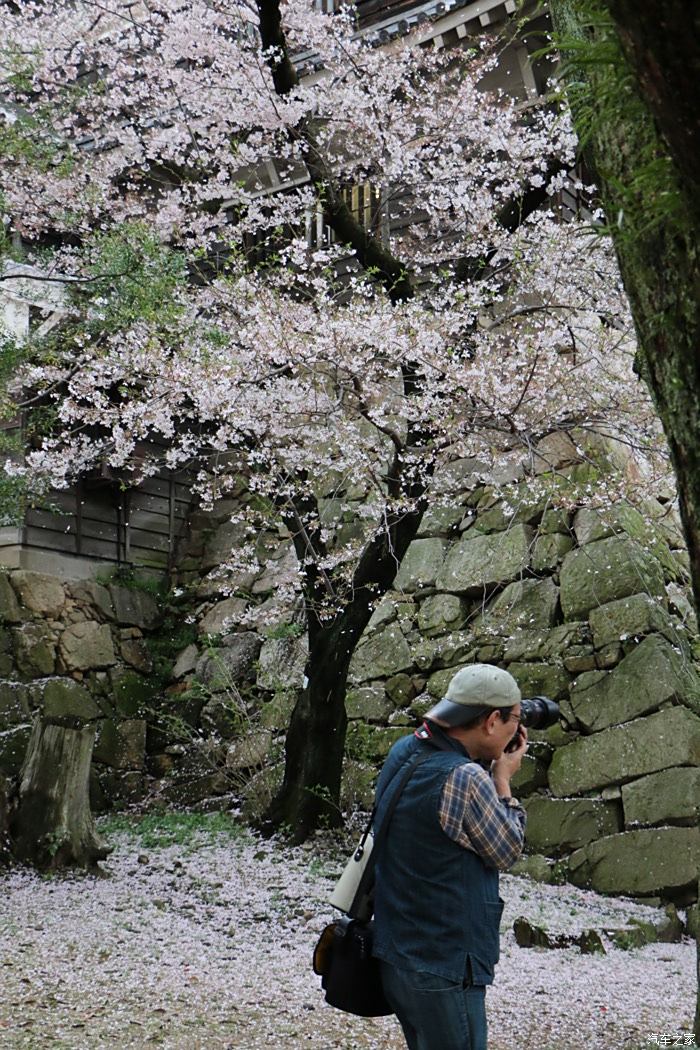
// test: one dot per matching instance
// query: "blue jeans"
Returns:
(435, 1013)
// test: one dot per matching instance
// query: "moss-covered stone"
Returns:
(441, 613)
(371, 743)
(369, 703)
(453, 649)
(132, 694)
(35, 650)
(478, 563)
(671, 796)
(539, 679)
(9, 606)
(631, 617)
(614, 756)
(548, 550)
(651, 675)
(276, 713)
(13, 748)
(14, 704)
(524, 605)
(282, 662)
(440, 520)
(420, 565)
(531, 775)
(66, 701)
(604, 571)
(556, 824)
(535, 867)
(438, 682)
(653, 860)
(121, 745)
(381, 656)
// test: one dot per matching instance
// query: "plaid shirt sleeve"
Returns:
(473, 815)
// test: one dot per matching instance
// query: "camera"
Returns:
(537, 712)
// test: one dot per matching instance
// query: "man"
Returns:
(455, 826)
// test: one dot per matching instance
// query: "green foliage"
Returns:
(284, 630)
(158, 830)
(127, 576)
(601, 90)
(135, 278)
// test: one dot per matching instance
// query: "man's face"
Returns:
(504, 730)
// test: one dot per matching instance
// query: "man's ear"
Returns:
(490, 723)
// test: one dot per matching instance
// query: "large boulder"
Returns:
(670, 796)
(478, 563)
(35, 649)
(369, 703)
(13, 748)
(549, 549)
(9, 606)
(441, 613)
(605, 570)
(14, 704)
(643, 862)
(91, 593)
(223, 616)
(539, 679)
(524, 605)
(186, 661)
(227, 537)
(420, 565)
(229, 664)
(86, 646)
(647, 745)
(134, 608)
(42, 594)
(565, 824)
(65, 701)
(381, 656)
(631, 617)
(121, 745)
(282, 663)
(650, 675)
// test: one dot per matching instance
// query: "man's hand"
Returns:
(509, 763)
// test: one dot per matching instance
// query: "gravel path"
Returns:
(207, 943)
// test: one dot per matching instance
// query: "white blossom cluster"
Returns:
(166, 115)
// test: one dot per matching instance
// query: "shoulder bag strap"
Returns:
(368, 874)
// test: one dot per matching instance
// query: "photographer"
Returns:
(437, 909)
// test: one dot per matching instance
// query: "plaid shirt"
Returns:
(474, 816)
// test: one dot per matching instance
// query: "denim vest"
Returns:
(436, 904)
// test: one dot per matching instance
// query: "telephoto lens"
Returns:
(537, 712)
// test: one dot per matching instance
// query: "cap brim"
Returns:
(456, 714)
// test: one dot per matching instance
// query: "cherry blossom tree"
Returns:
(309, 261)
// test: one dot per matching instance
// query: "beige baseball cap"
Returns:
(473, 691)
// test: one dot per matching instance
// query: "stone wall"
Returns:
(588, 607)
(77, 651)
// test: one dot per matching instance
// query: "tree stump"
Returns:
(53, 826)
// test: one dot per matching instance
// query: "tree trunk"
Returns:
(652, 130)
(315, 745)
(53, 826)
(653, 224)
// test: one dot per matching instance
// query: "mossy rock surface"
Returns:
(621, 753)
(604, 571)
